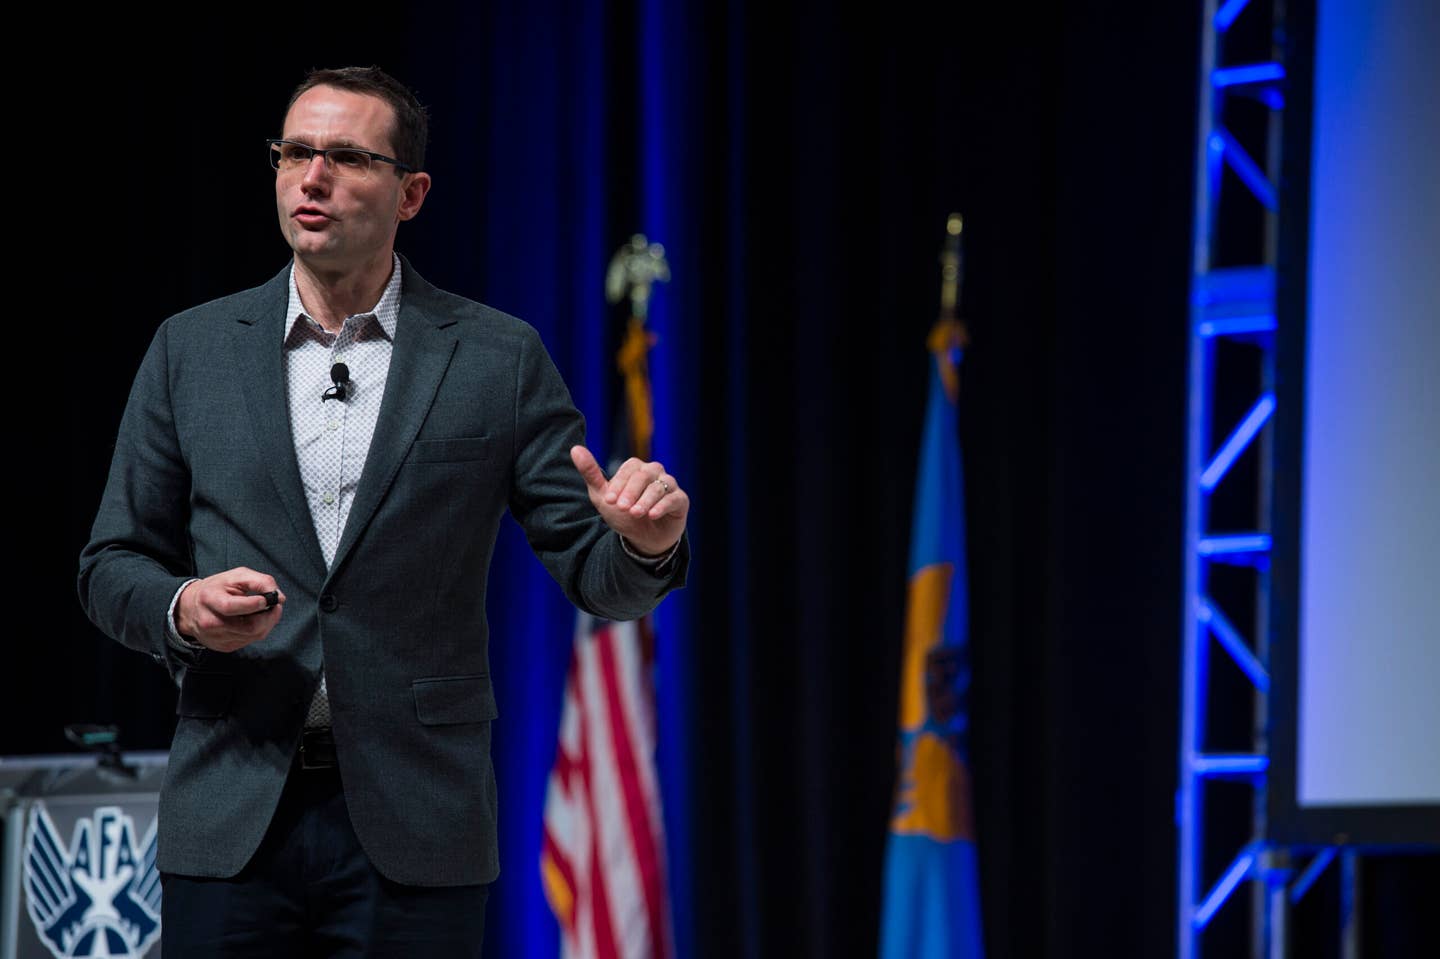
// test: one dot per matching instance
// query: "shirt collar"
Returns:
(386, 311)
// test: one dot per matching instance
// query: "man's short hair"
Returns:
(412, 128)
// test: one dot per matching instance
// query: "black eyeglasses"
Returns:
(345, 162)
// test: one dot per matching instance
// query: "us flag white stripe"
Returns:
(643, 819)
(592, 740)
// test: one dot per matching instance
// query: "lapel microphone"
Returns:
(340, 375)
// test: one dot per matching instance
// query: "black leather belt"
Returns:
(317, 749)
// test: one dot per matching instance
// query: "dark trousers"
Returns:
(310, 891)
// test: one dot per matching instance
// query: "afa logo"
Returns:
(102, 897)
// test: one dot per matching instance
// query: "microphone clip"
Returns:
(340, 376)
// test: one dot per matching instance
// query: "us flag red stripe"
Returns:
(603, 853)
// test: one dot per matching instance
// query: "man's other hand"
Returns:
(227, 611)
(641, 502)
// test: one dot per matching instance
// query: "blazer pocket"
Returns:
(205, 695)
(447, 700)
(459, 449)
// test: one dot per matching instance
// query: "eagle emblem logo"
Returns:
(101, 897)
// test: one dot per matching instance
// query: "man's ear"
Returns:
(413, 194)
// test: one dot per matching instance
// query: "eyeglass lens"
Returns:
(340, 163)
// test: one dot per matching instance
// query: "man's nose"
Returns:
(317, 174)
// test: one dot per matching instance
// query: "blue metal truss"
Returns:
(1230, 463)
(1232, 301)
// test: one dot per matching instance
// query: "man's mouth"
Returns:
(309, 216)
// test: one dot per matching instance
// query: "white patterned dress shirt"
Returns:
(332, 437)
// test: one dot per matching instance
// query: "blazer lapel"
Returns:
(421, 354)
(260, 348)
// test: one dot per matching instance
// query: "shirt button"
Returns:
(332, 425)
(338, 358)
(328, 498)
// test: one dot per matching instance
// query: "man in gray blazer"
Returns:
(298, 524)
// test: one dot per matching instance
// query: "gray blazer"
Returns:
(475, 420)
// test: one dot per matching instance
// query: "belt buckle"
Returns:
(317, 749)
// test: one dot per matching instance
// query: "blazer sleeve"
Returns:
(139, 551)
(549, 500)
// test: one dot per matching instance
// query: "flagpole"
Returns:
(949, 335)
(634, 269)
(952, 265)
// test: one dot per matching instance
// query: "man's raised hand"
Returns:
(641, 502)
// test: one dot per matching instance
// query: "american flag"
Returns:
(603, 854)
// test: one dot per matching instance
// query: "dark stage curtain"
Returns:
(798, 162)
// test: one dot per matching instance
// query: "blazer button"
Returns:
(329, 603)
